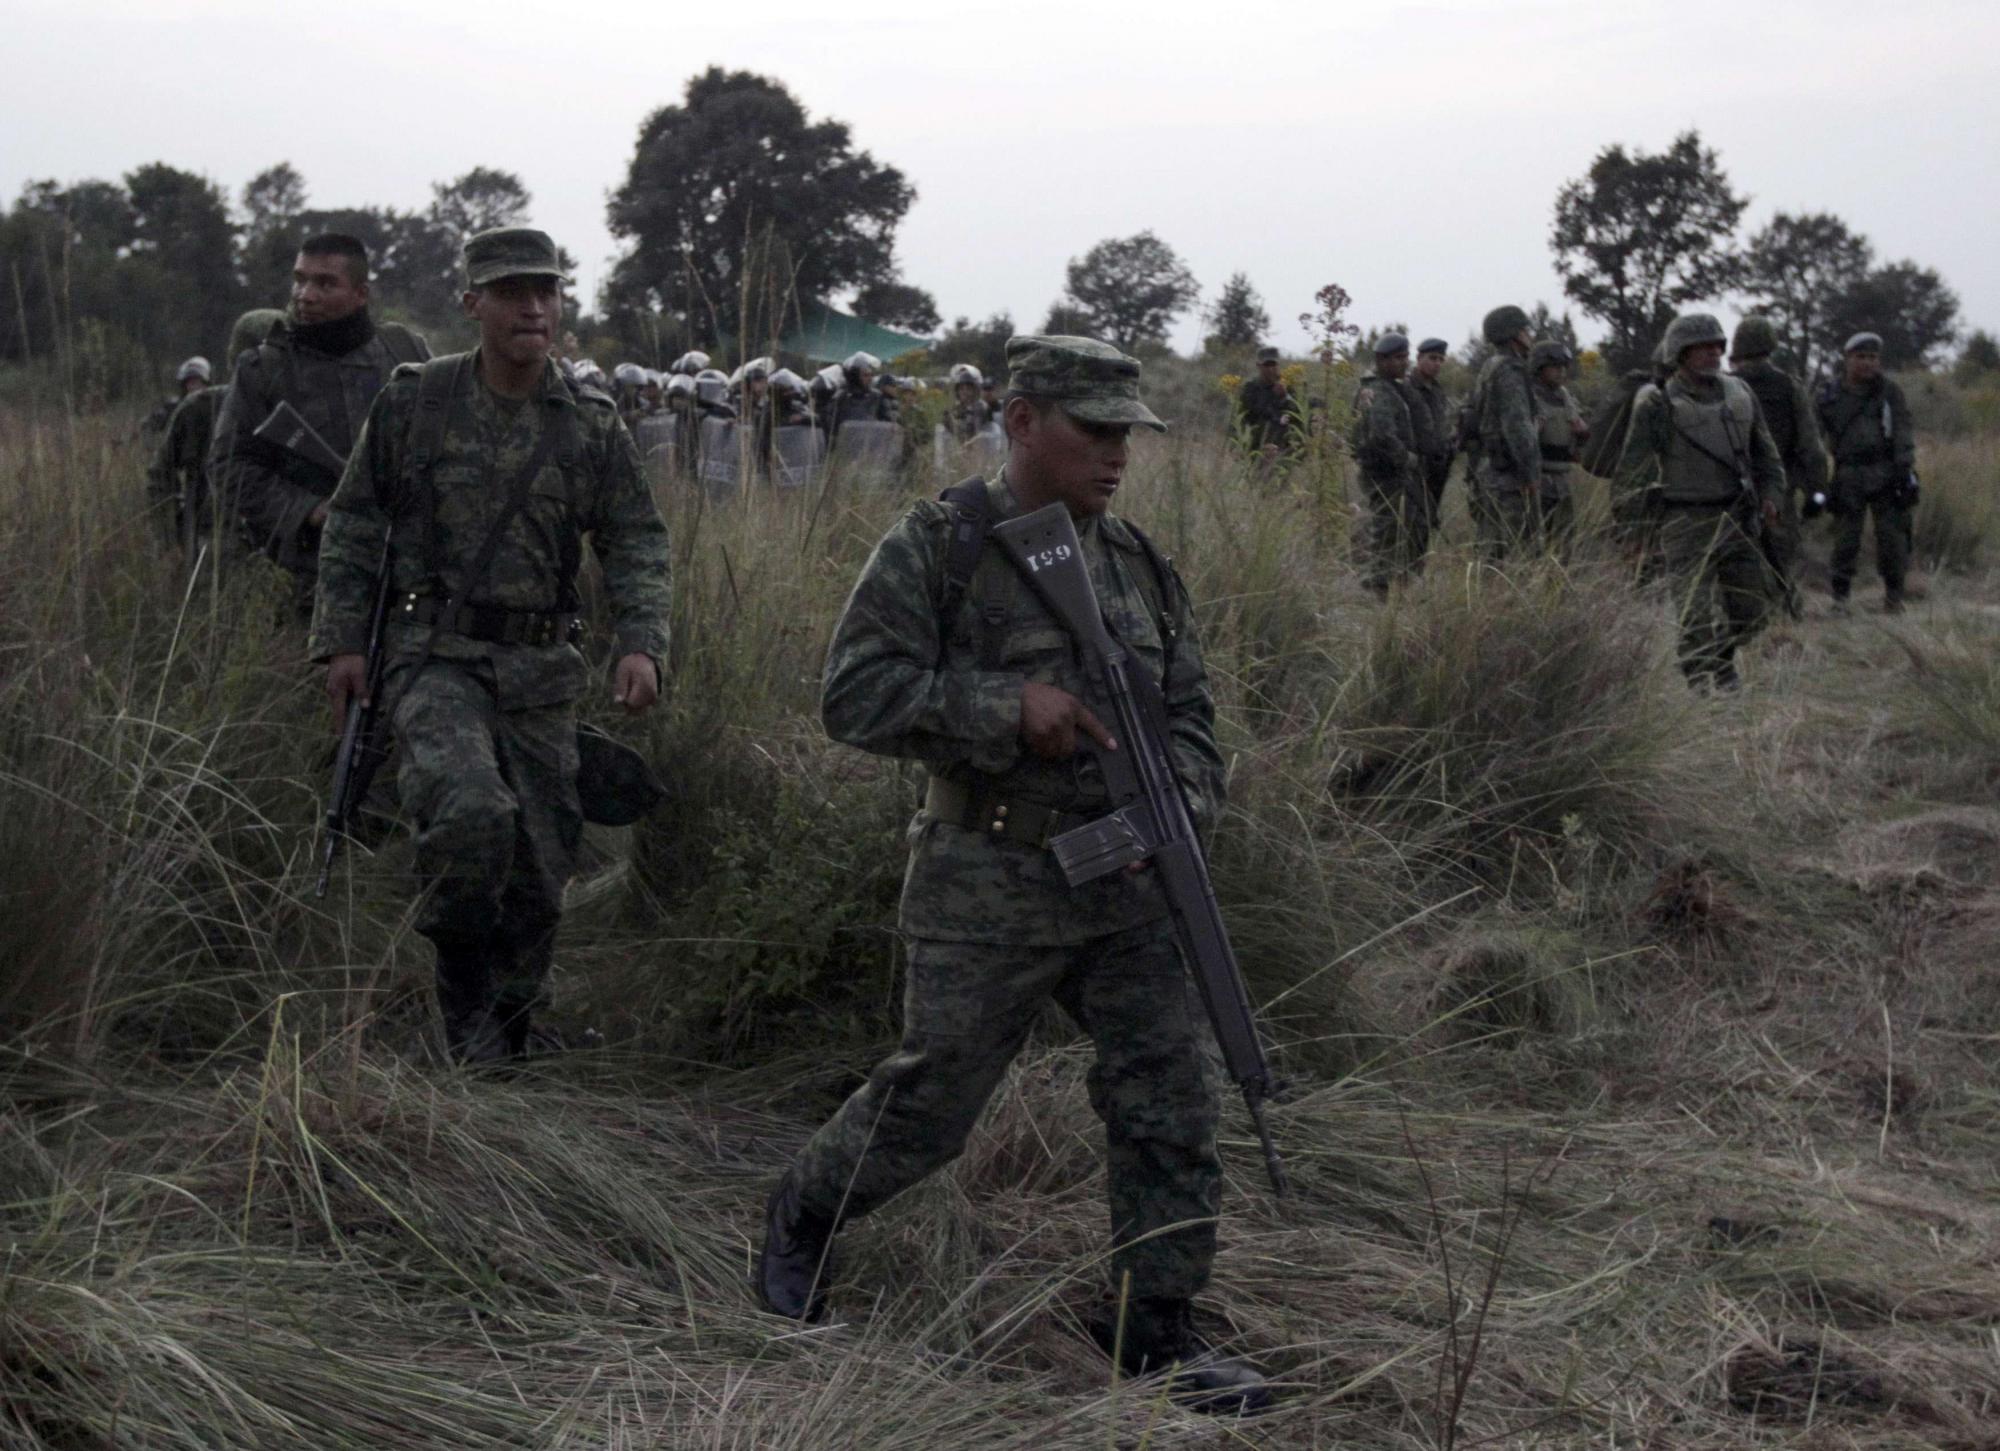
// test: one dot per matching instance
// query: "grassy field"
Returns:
(1642, 1044)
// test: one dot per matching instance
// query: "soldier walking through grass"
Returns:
(1385, 438)
(1699, 480)
(1789, 414)
(491, 468)
(944, 656)
(1431, 408)
(328, 362)
(1507, 476)
(1559, 429)
(1867, 423)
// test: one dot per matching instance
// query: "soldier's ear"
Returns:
(470, 302)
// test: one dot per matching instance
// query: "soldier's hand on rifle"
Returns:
(635, 684)
(346, 680)
(1770, 513)
(1051, 718)
(318, 516)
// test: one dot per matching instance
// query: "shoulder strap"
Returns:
(972, 517)
(437, 385)
(1167, 580)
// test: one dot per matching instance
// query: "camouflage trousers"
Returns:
(1397, 531)
(1512, 519)
(493, 795)
(1892, 542)
(967, 1010)
(1722, 588)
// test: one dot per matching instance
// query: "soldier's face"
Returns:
(1268, 372)
(1056, 458)
(517, 316)
(966, 393)
(323, 290)
(1703, 360)
(1549, 374)
(1864, 367)
(192, 385)
(1393, 365)
(1429, 365)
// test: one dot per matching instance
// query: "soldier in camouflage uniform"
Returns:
(1868, 428)
(985, 689)
(177, 482)
(1789, 414)
(1266, 412)
(329, 362)
(190, 379)
(1699, 480)
(1506, 481)
(1432, 412)
(1559, 428)
(491, 456)
(1385, 444)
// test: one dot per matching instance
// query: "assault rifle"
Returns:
(360, 753)
(286, 430)
(1150, 820)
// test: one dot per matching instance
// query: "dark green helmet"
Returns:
(1755, 338)
(1545, 352)
(251, 330)
(1503, 324)
(1691, 330)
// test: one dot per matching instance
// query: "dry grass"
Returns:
(1693, 995)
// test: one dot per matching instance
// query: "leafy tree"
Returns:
(898, 305)
(1641, 236)
(479, 201)
(273, 200)
(1238, 319)
(1795, 271)
(1909, 306)
(1981, 354)
(1129, 290)
(1065, 318)
(181, 228)
(982, 344)
(736, 182)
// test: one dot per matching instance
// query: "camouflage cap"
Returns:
(1267, 355)
(1863, 343)
(1433, 345)
(511, 252)
(1094, 382)
(1754, 338)
(1390, 344)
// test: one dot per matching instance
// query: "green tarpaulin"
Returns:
(826, 335)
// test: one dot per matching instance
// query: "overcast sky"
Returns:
(1409, 152)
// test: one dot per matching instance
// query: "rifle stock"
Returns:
(1150, 820)
(286, 429)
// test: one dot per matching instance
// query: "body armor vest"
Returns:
(1708, 447)
(1778, 399)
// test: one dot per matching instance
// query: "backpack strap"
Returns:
(972, 517)
(570, 458)
(439, 382)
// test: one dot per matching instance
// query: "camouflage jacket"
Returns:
(178, 477)
(1504, 413)
(1696, 444)
(1265, 417)
(1384, 438)
(1556, 416)
(274, 490)
(487, 442)
(1430, 411)
(1870, 434)
(902, 682)
(1793, 421)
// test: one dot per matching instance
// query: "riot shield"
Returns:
(721, 455)
(868, 453)
(798, 453)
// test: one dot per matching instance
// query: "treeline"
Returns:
(160, 263)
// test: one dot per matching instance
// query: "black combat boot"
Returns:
(1160, 1339)
(473, 1033)
(795, 1263)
